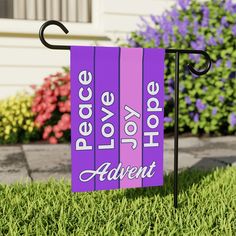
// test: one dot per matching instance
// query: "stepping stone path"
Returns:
(37, 162)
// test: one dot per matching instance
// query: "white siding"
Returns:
(123, 16)
(25, 61)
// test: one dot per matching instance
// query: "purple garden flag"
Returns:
(117, 110)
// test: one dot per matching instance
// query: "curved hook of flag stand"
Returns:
(45, 43)
(177, 53)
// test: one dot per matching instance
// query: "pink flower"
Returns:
(58, 134)
(67, 105)
(53, 140)
(48, 93)
(56, 128)
(51, 108)
(62, 125)
(66, 118)
(45, 135)
(56, 92)
(52, 105)
(48, 129)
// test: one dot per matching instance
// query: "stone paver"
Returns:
(47, 161)
(186, 160)
(13, 167)
(38, 162)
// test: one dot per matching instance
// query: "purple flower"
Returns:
(166, 39)
(167, 119)
(199, 43)
(218, 63)
(228, 64)
(232, 119)
(229, 6)
(167, 97)
(170, 89)
(196, 118)
(174, 14)
(200, 106)
(195, 27)
(131, 42)
(205, 19)
(183, 27)
(157, 40)
(214, 111)
(184, 4)
(144, 20)
(170, 81)
(154, 19)
(221, 98)
(212, 41)
(167, 25)
(234, 30)
(194, 57)
(174, 38)
(218, 33)
(193, 45)
(219, 30)
(224, 21)
(188, 100)
(150, 33)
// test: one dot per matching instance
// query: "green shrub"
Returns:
(207, 103)
(17, 120)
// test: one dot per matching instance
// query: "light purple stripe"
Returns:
(107, 120)
(82, 59)
(131, 96)
(153, 73)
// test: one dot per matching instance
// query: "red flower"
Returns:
(65, 117)
(56, 128)
(51, 106)
(58, 134)
(45, 135)
(53, 140)
(48, 129)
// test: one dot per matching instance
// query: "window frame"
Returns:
(29, 27)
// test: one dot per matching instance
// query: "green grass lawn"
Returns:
(207, 206)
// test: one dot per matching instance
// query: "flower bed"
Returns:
(207, 103)
(51, 106)
(17, 120)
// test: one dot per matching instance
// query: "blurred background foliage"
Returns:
(17, 120)
(207, 103)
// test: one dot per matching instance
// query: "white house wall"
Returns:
(25, 61)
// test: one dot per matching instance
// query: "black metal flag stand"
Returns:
(177, 53)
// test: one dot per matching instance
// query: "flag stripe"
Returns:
(153, 113)
(131, 102)
(82, 122)
(106, 112)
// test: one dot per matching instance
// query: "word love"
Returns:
(118, 173)
(86, 112)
